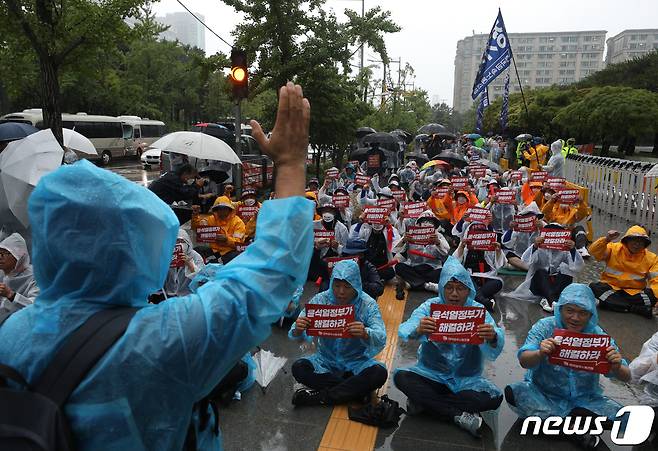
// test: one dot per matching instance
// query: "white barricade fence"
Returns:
(623, 188)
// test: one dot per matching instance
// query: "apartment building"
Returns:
(631, 44)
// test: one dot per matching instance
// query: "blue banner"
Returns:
(495, 59)
(505, 108)
(484, 103)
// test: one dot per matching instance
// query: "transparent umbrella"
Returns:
(267, 367)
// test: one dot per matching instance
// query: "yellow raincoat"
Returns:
(232, 227)
(553, 212)
(626, 271)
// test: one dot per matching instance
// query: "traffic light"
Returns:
(239, 74)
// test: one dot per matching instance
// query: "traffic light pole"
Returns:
(238, 133)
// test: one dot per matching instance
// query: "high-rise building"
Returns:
(542, 59)
(631, 44)
(184, 28)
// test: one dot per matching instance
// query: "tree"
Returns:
(59, 32)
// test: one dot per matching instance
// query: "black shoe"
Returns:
(308, 397)
(642, 310)
(399, 292)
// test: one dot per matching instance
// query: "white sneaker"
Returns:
(470, 422)
(433, 287)
(545, 305)
(583, 252)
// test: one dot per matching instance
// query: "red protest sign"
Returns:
(478, 171)
(341, 200)
(478, 214)
(478, 240)
(376, 215)
(361, 180)
(555, 239)
(320, 234)
(374, 161)
(399, 195)
(332, 173)
(506, 196)
(246, 213)
(208, 234)
(516, 176)
(569, 196)
(538, 176)
(178, 259)
(421, 235)
(525, 224)
(456, 324)
(586, 352)
(556, 183)
(329, 321)
(389, 204)
(413, 209)
(331, 261)
(459, 182)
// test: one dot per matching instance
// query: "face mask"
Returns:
(378, 227)
(190, 181)
(461, 201)
(250, 202)
(328, 217)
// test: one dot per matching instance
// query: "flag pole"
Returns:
(525, 105)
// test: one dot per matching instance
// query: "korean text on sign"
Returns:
(481, 241)
(246, 212)
(421, 235)
(586, 352)
(459, 182)
(538, 176)
(320, 234)
(569, 196)
(329, 321)
(516, 176)
(478, 171)
(399, 195)
(178, 260)
(208, 234)
(457, 324)
(506, 196)
(341, 200)
(332, 173)
(555, 239)
(441, 191)
(331, 261)
(389, 204)
(556, 183)
(479, 214)
(413, 209)
(525, 224)
(376, 215)
(361, 180)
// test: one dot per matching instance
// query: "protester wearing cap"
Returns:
(343, 369)
(408, 174)
(569, 216)
(550, 271)
(552, 390)
(629, 281)
(345, 212)
(447, 381)
(326, 247)
(422, 267)
(379, 241)
(372, 284)
(515, 243)
(348, 175)
(232, 228)
(18, 288)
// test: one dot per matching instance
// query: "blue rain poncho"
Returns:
(556, 390)
(458, 366)
(348, 354)
(101, 241)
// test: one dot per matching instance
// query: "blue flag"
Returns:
(484, 103)
(505, 108)
(495, 59)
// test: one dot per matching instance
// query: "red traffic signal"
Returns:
(239, 74)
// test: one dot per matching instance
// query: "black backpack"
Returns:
(32, 417)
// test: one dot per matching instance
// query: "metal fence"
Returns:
(622, 188)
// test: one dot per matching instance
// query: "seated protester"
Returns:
(345, 213)
(367, 195)
(568, 216)
(326, 247)
(313, 185)
(312, 195)
(372, 284)
(501, 214)
(483, 267)
(441, 206)
(629, 281)
(515, 243)
(347, 176)
(18, 288)
(379, 241)
(644, 371)
(181, 184)
(422, 266)
(232, 229)
(549, 271)
(447, 381)
(463, 202)
(532, 192)
(343, 369)
(245, 211)
(407, 175)
(553, 390)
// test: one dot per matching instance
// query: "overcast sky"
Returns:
(431, 28)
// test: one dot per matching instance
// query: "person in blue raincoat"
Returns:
(343, 369)
(447, 380)
(101, 241)
(552, 390)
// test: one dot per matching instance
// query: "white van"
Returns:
(141, 133)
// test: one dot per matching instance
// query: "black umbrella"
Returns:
(386, 141)
(446, 135)
(453, 158)
(364, 131)
(406, 137)
(419, 158)
(11, 131)
(431, 129)
(359, 155)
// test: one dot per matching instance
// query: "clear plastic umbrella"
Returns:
(75, 141)
(22, 164)
(198, 145)
(267, 367)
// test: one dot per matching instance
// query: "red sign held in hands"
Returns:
(361, 180)
(456, 324)
(376, 215)
(413, 209)
(459, 183)
(538, 176)
(478, 240)
(569, 196)
(555, 239)
(506, 197)
(525, 224)
(478, 214)
(178, 260)
(586, 352)
(329, 321)
(208, 234)
(421, 235)
(341, 200)
(246, 213)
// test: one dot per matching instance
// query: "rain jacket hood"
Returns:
(347, 270)
(110, 243)
(635, 231)
(581, 296)
(223, 201)
(531, 208)
(556, 147)
(16, 246)
(452, 269)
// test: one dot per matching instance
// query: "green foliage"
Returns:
(408, 112)
(637, 73)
